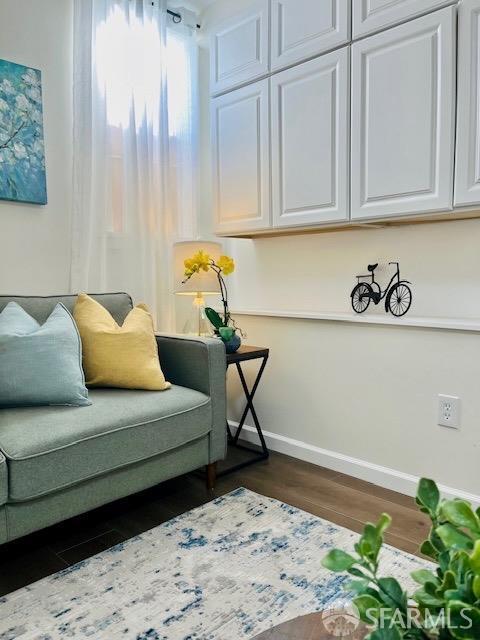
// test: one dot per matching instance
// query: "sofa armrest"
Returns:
(200, 364)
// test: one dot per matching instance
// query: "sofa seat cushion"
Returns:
(3, 481)
(49, 448)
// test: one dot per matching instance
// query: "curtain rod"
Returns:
(177, 18)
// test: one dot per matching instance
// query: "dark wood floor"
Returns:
(336, 497)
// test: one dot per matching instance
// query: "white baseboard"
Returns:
(376, 474)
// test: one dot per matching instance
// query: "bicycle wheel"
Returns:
(399, 299)
(361, 297)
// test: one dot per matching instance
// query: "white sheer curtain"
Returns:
(134, 148)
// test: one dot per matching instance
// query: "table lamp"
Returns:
(199, 285)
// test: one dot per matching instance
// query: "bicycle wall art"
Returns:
(397, 294)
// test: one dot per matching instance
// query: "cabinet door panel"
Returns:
(403, 91)
(241, 139)
(467, 179)
(310, 125)
(302, 29)
(375, 15)
(239, 48)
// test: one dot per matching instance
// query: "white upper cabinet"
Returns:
(403, 93)
(310, 139)
(239, 48)
(467, 179)
(375, 15)
(241, 158)
(302, 29)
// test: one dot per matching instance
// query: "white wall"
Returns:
(35, 240)
(361, 396)
(316, 272)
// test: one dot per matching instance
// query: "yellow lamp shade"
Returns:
(205, 283)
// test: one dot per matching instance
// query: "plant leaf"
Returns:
(447, 583)
(214, 317)
(431, 588)
(464, 620)
(353, 571)
(392, 593)
(460, 514)
(427, 600)
(383, 523)
(385, 634)
(337, 560)
(358, 586)
(370, 542)
(424, 575)
(428, 495)
(436, 541)
(453, 537)
(428, 549)
(368, 607)
(460, 564)
(475, 557)
(452, 594)
(476, 587)
(444, 561)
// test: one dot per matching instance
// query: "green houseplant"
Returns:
(446, 604)
(225, 326)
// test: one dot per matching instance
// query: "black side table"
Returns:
(242, 355)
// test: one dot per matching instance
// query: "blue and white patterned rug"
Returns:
(228, 570)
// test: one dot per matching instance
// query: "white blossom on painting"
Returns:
(22, 155)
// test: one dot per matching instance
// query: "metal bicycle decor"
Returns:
(397, 295)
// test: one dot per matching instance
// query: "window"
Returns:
(128, 58)
(138, 79)
(125, 55)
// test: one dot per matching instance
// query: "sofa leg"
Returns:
(211, 475)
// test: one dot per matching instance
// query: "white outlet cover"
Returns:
(449, 411)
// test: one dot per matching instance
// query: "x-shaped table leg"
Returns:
(249, 406)
(233, 439)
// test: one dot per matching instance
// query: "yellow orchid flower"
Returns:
(200, 261)
(226, 265)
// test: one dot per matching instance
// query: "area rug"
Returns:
(228, 570)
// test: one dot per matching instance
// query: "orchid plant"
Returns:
(223, 266)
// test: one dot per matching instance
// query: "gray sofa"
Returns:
(57, 462)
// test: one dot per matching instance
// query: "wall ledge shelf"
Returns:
(444, 324)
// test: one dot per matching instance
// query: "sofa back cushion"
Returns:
(40, 307)
(40, 364)
(123, 356)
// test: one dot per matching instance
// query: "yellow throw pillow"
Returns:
(115, 356)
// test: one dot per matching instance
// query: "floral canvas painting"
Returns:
(22, 155)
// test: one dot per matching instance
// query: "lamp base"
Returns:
(197, 322)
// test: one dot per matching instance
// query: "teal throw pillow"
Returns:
(40, 364)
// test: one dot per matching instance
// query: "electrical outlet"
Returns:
(449, 411)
